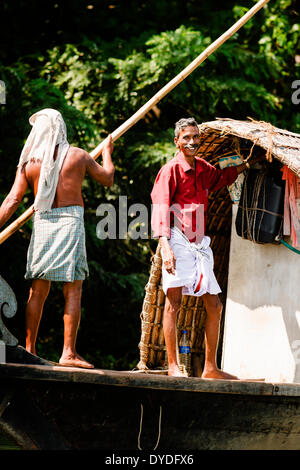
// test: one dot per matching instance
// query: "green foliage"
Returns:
(98, 67)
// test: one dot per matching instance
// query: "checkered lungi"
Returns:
(57, 247)
(194, 266)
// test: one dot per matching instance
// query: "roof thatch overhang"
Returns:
(224, 136)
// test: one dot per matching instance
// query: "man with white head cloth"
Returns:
(54, 170)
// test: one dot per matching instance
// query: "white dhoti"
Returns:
(194, 266)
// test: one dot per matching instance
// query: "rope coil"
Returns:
(252, 217)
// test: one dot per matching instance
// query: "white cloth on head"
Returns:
(194, 266)
(48, 131)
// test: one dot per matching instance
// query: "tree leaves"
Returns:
(98, 71)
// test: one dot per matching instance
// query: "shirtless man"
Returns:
(57, 248)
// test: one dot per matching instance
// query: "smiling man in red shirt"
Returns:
(180, 198)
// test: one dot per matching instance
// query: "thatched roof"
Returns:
(225, 135)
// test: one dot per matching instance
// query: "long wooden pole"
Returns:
(13, 227)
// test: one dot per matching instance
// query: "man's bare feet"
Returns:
(217, 374)
(174, 371)
(75, 361)
(31, 350)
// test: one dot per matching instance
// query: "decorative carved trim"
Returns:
(8, 308)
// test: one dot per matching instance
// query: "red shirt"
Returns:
(178, 184)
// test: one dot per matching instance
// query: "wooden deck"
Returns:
(151, 380)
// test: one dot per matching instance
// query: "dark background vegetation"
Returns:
(98, 62)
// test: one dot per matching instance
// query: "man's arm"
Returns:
(161, 195)
(247, 165)
(242, 167)
(216, 178)
(15, 196)
(103, 174)
(168, 256)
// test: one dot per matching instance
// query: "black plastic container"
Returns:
(260, 213)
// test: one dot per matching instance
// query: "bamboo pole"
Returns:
(17, 224)
(12, 228)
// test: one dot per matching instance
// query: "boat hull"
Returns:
(49, 407)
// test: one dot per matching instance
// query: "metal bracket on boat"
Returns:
(8, 308)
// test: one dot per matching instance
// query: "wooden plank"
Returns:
(286, 389)
(141, 380)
